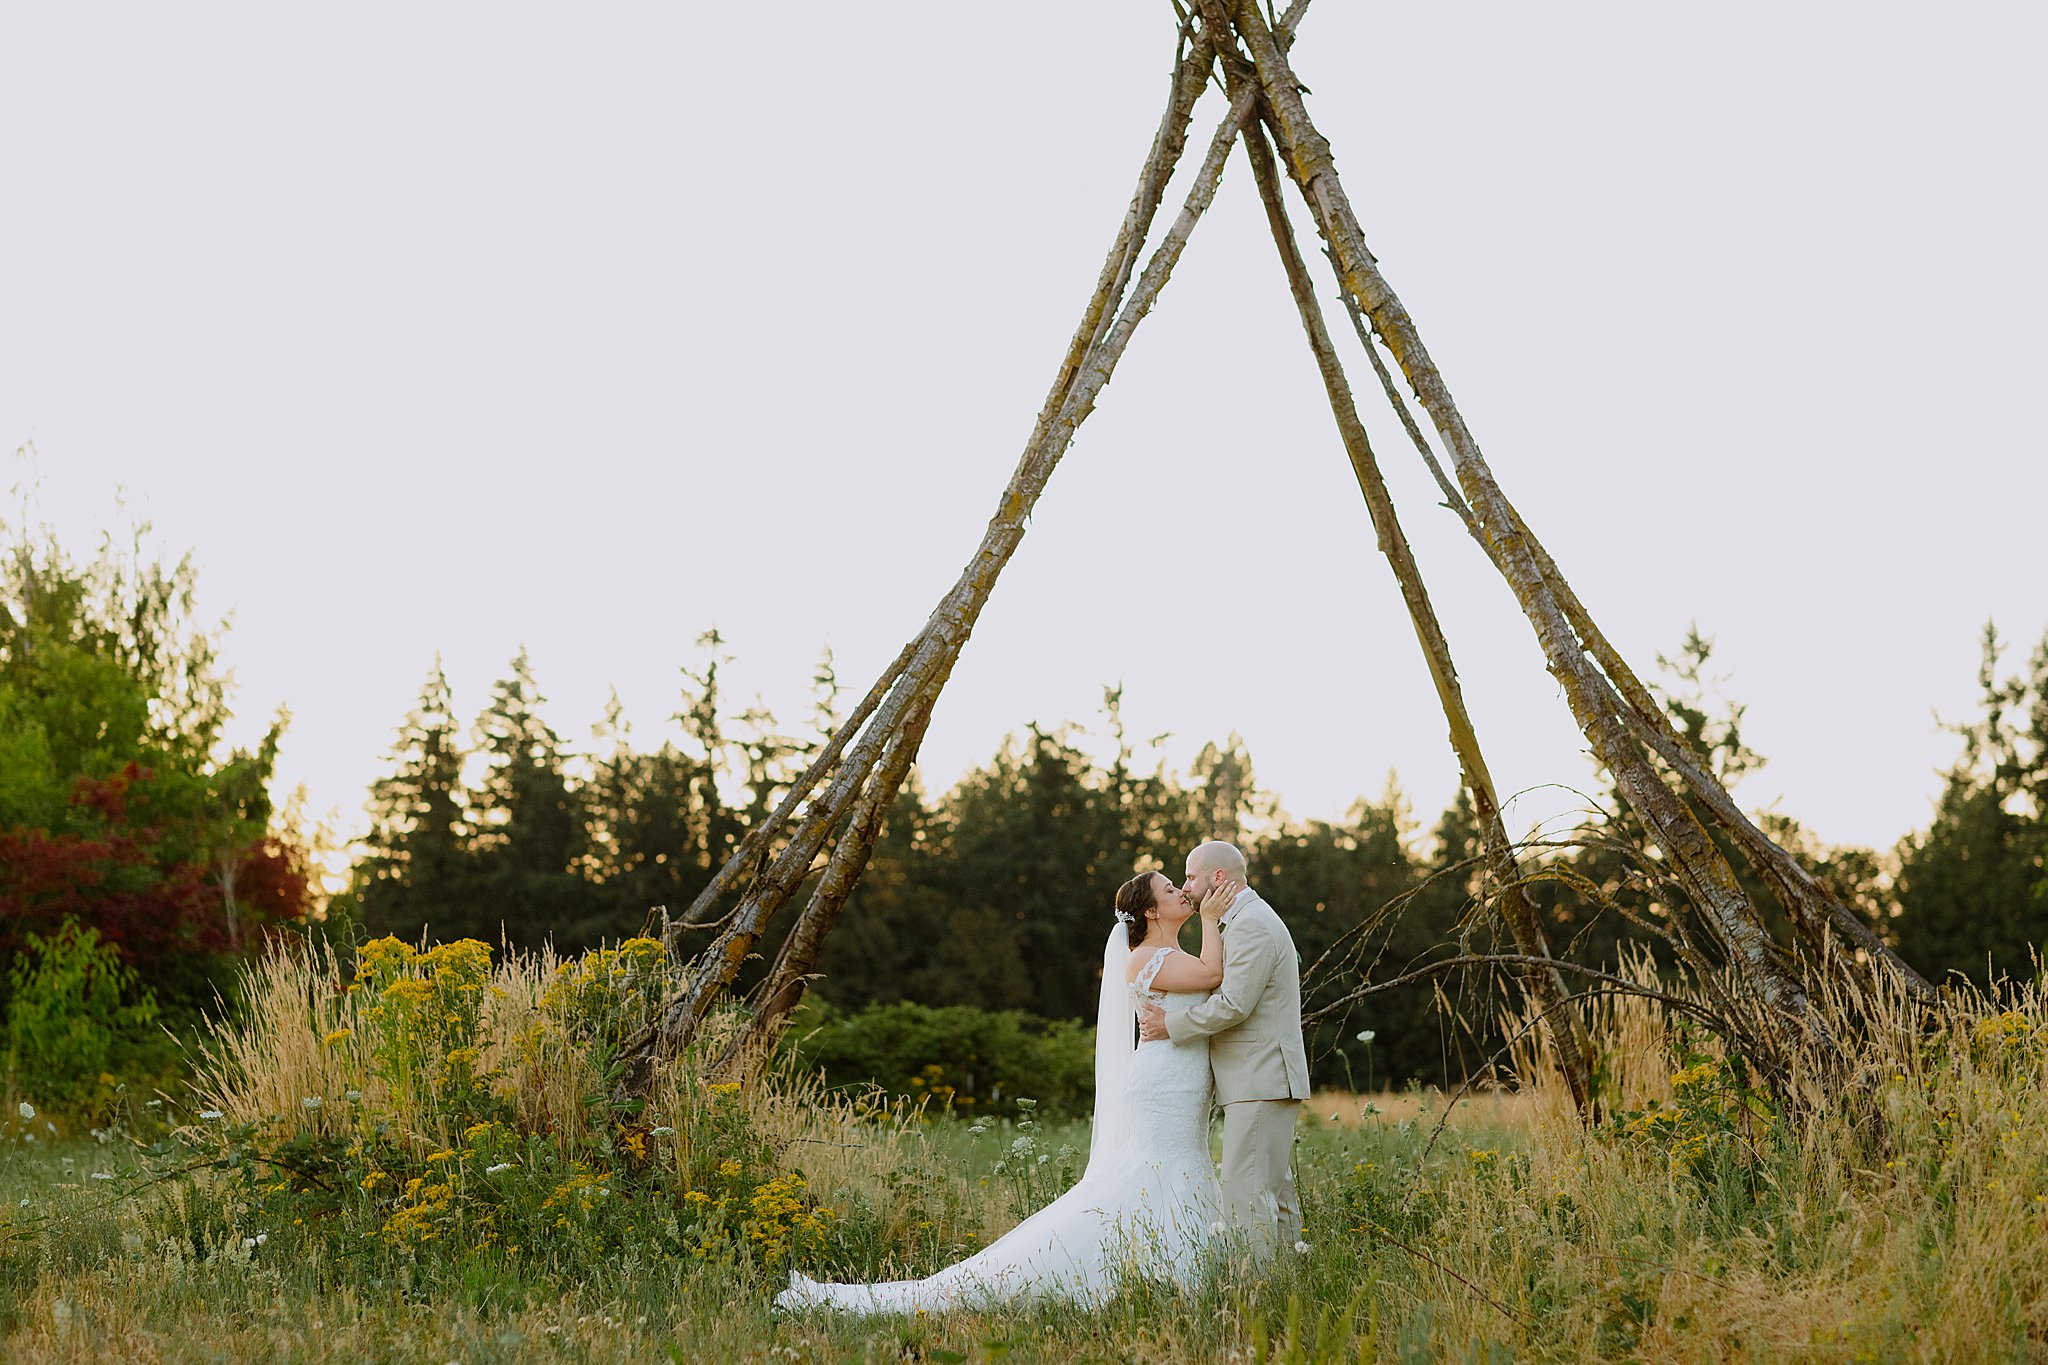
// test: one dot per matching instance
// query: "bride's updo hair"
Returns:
(1133, 899)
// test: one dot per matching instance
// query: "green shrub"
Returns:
(441, 1113)
(979, 1061)
(77, 1019)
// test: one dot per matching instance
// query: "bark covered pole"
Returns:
(759, 838)
(1191, 71)
(1820, 916)
(790, 974)
(1706, 875)
(1570, 1044)
(1091, 357)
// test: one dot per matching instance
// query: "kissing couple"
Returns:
(1176, 1035)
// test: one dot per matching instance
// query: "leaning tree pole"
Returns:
(848, 787)
(822, 833)
(1616, 728)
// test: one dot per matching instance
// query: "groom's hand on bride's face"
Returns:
(1152, 1024)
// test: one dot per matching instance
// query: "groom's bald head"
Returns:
(1213, 857)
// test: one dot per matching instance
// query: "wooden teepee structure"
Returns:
(835, 809)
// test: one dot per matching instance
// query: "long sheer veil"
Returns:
(1116, 1040)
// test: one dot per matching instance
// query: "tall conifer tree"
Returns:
(528, 821)
(419, 872)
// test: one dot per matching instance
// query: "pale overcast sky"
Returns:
(457, 328)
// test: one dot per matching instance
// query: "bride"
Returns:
(1148, 1205)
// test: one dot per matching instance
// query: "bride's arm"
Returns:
(1182, 973)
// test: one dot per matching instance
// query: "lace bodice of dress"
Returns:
(1169, 1084)
(1141, 984)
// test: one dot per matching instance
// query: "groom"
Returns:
(1253, 1022)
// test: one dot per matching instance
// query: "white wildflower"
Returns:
(28, 1111)
(1367, 1036)
(1044, 1157)
(664, 1131)
(1301, 1247)
(212, 1115)
(311, 1101)
(354, 1097)
(1027, 1104)
(498, 1169)
(101, 1175)
(1216, 1229)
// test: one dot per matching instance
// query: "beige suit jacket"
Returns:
(1253, 1020)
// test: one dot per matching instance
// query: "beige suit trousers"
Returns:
(1258, 1174)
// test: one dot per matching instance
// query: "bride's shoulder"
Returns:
(1141, 960)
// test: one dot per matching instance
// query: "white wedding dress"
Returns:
(1147, 1207)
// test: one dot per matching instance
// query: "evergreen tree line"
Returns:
(995, 894)
(497, 831)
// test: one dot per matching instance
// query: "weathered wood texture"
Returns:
(843, 796)
(866, 771)
(1696, 862)
(1546, 987)
(1816, 911)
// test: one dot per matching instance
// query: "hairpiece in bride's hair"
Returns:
(1127, 917)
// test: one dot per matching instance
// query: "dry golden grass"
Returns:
(267, 1062)
(283, 1048)
(1909, 1223)
(1480, 1108)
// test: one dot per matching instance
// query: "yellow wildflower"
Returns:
(382, 955)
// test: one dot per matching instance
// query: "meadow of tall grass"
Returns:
(419, 1157)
